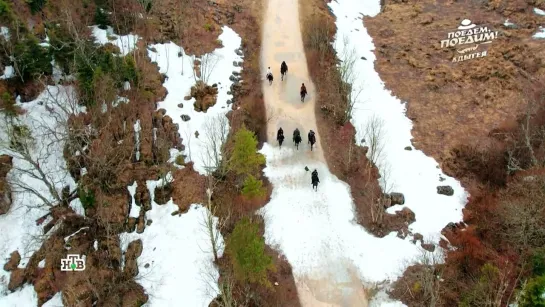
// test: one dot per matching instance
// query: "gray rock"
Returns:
(185, 117)
(397, 198)
(409, 148)
(229, 101)
(239, 52)
(180, 105)
(445, 190)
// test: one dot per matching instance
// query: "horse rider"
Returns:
(269, 73)
(283, 69)
(315, 179)
(303, 91)
(296, 133)
(280, 133)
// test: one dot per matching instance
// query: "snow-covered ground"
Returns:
(539, 11)
(316, 231)
(126, 43)
(176, 265)
(180, 79)
(540, 33)
(20, 222)
(27, 297)
(410, 172)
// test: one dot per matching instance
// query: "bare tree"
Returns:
(216, 130)
(426, 289)
(349, 78)
(204, 69)
(373, 137)
(35, 140)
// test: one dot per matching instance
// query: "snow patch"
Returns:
(9, 72)
(135, 209)
(126, 43)
(539, 11)
(20, 222)
(331, 234)
(176, 265)
(4, 31)
(76, 204)
(179, 81)
(24, 297)
(55, 301)
(410, 172)
(137, 129)
(540, 34)
(41, 264)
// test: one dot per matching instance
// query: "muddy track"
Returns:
(282, 41)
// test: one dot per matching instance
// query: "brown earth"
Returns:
(456, 103)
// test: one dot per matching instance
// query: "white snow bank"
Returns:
(55, 301)
(539, 12)
(8, 72)
(137, 130)
(540, 34)
(410, 172)
(4, 31)
(316, 230)
(179, 82)
(24, 297)
(178, 254)
(135, 209)
(126, 43)
(20, 221)
(507, 23)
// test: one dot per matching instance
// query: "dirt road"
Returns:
(337, 283)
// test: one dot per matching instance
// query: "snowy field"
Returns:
(126, 43)
(179, 82)
(20, 222)
(176, 266)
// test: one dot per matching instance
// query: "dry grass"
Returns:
(452, 103)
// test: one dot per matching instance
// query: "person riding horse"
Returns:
(303, 92)
(283, 69)
(280, 136)
(269, 76)
(311, 139)
(297, 138)
(315, 180)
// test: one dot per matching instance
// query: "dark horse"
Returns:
(297, 138)
(311, 139)
(315, 180)
(280, 136)
(283, 69)
(303, 92)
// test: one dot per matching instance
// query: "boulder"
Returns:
(134, 250)
(417, 237)
(14, 259)
(397, 198)
(17, 279)
(409, 148)
(429, 247)
(445, 190)
(131, 224)
(185, 117)
(141, 225)
(180, 105)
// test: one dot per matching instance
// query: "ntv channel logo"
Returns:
(73, 263)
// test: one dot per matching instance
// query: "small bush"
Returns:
(35, 5)
(8, 104)
(532, 295)
(20, 137)
(246, 249)
(31, 58)
(208, 27)
(180, 160)
(245, 159)
(86, 197)
(5, 9)
(253, 187)
(101, 18)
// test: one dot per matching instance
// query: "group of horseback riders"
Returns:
(297, 140)
(283, 72)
